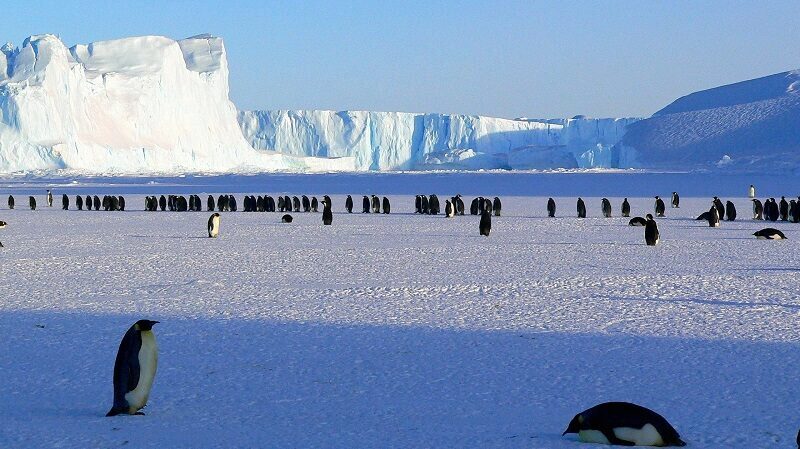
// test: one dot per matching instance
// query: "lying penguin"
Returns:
(624, 424)
(769, 234)
(2, 225)
(637, 221)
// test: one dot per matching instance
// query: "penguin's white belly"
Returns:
(214, 227)
(646, 436)
(148, 362)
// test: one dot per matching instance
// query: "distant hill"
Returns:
(748, 126)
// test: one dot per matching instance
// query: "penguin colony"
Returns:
(617, 423)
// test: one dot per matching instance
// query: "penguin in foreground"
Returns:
(486, 223)
(581, 208)
(769, 234)
(713, 219)
(660, 207)
(286, 219)
(327, 214)
(449, 210)
(624, 424)
(135, 369)
(676, 200)
(626, 208)
(213, 225)
(651, 234)
(551, 208)
(2, 225)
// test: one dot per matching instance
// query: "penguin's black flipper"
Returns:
(612, 438)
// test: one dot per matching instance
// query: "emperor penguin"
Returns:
(10, 201)
(713, 219)
(794, 211)
(497, 206)
(487, 205)
(79, 202)
(306, 204)
(135, 369)
(651, 234)
(758, 209)
(473, 207)
(327, 214)
(449, 210)
(638, 221)
(232, 203)
(2, 225)
(624, 424)
(730, 211)
(296, 204)
(752, 191)
(660, 207)
(581, 208)
(286, 219)
(210, 203)
(387, 208)
(96, 201)
(704, 216)
(626, 208)
(376, 205)
(720, 207)
(315, 204)
(606, 205)
(551, 207)
(213, 225)
(769, 234)
(32, 202)
(676, 200)
(459, 205)
(433, 205)
(122, 203)
(417, 204)
(64, 202)
(49, 199)
(365, 205)
(784, 209)
(348, 204)
(485, 226)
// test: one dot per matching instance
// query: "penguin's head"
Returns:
(656, 196)
(144, 325)
(574, 425)
(649, 216)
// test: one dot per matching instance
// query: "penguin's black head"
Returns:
(649, 216)
(574, 425)
(145, 325)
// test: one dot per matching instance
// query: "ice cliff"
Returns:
(394, 140)
(135, 105)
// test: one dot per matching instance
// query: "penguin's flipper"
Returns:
(613, 439)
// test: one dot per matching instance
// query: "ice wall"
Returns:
(395, 140)
(136, 105)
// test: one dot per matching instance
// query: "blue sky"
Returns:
(497, 58)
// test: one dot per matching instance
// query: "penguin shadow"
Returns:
(778, 269)
(168, 237)
(715, 302)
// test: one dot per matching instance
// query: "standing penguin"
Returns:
(79, 202)
(626, 208)
(730, 211)
(758, 209)
(32, 202)
(752, 191)
(10, 201)
(497, 205)
(88, 202)
(314, 204)
(581, 208)
(387, 208)
(348, 204)
(624, 424)
(49, 199)
(135, 369)
(794, 212)
(418, 204)
(459, 205)
(606, 208)
(210, 203)
(449, 210)
(651, 234)
(485, 225)
(327, 214)
(713, 218)
(365, 205)
(306, 204)
(774, 211)
(121, 203)
(473, 207)
(676, 200)
(64, 202)
(660, 207)
(551, 207)
(720, 207)
(784, 209)
(213, 225)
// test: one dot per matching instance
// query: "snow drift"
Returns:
(747, 126)
(396, 140)
(135, 105)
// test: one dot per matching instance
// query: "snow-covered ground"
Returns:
(399, 330)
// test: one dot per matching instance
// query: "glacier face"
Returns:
(409, 141)
(135, 105)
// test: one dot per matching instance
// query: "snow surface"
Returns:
(399, 330)
(397, 140)
(753, 122)
(135, 105)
